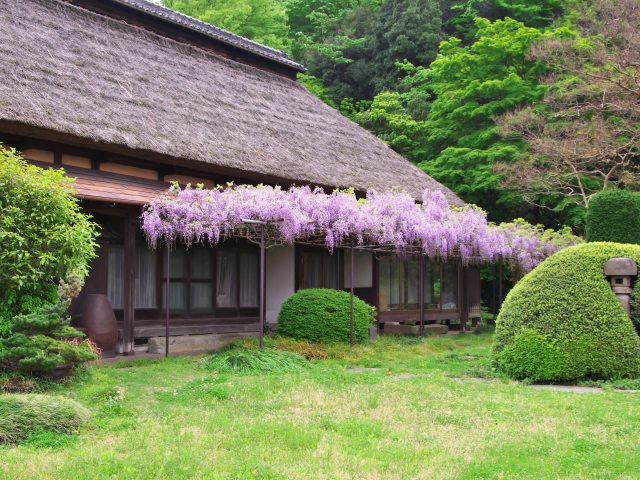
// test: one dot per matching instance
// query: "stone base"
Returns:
(194, 344)
(414, 330)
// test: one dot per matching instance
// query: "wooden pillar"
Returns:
(167, 302)
(351, 281)
(421, 294)
(262, 286)
(130, 260)
(464, 300)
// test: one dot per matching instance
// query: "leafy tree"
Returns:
(264, 21)
(459, 15)
(585, 137)
(44, 236)
(339, 54)
(471, 85)
(408, 30)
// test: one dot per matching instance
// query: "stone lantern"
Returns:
(620, 272)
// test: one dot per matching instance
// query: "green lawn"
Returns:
(171, 419)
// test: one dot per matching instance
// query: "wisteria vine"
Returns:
(392, 220)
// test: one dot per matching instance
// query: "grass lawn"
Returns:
(421, 415)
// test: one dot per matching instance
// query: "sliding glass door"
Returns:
(399, 284)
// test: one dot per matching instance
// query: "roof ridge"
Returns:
(210, 30)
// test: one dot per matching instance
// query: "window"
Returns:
(317, 268)
(205, 280)
(399, 285)
(145, 280)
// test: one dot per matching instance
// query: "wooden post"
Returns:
(421, 294)
(351, 339)
(262, 285)
(167, 295)
(464, 307)
(129, 280)
(500, 275)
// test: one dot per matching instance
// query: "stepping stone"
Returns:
(568, 388)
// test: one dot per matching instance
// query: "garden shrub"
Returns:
(23, 415)
(614, 216)
(42, 341)
(562, 321)
(323, 315)
(45, 237)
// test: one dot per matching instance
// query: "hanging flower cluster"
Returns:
(392, 220)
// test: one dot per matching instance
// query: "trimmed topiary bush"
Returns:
(322, 315)
(23, 415)
(562, 322)
(614, 216)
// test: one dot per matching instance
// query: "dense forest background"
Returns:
(524, 107)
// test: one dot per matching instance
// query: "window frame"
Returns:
(403, 275)
(304, 251)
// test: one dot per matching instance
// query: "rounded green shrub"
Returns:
(322, 315)
(562, 321)
(23, 415)
(614, 216)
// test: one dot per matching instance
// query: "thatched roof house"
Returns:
(135, 78)
(127, 96)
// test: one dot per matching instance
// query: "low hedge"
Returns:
(614, 216)
(323, 315)
(562, 322)
(22, 415)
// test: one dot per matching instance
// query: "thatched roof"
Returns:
(67, 69)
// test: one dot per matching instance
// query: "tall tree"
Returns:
(586, 135)
(264, 21)
(473, 84)
(406, 30)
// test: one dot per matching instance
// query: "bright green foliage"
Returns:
(264, 21)
(562, 321)
(42, 341)
(254, 362)
(44, 236)
(315, 86)
(536, 13)
(614, 216)
(25, 415)
(322, 315)
(406, 30)
(472, 85)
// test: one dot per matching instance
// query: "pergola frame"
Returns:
(265, 235)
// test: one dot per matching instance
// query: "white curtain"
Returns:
(115, 276)
(249, 289)
(330, 271)
(177, 289)
(449, 286)
(389, 292)
(201, 286)
(145, 294)
(412, 283)
(226, 280)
